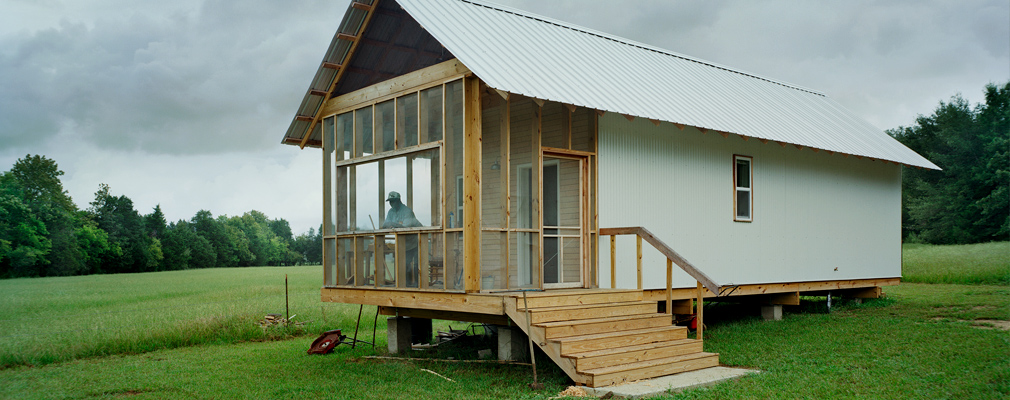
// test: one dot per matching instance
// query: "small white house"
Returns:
(473, 153)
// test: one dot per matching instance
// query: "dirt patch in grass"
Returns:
(991, 324)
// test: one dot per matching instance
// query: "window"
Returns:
(743, 189)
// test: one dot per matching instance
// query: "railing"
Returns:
(704, 281)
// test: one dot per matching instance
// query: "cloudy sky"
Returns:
(183, 103)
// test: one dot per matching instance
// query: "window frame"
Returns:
(749, 188)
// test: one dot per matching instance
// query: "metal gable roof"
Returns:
(539, 57)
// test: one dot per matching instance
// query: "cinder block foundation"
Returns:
(512, 344)
(771, 313)
(398, 334)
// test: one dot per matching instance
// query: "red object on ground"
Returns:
(694, 323)
(326, 342)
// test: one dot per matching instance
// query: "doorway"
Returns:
(563, 198)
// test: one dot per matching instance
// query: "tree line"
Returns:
(969, 200)
(43, 233)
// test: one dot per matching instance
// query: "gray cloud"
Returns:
(222, 77)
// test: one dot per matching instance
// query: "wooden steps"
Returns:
(604, 337)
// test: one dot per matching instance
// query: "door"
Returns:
(563, 221)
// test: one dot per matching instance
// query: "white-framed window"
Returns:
(743, 188)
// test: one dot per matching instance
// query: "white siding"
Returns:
(816, 216)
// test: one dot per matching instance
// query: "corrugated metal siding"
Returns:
(547, 59)
(813, 212)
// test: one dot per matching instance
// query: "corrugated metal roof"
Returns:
(539, 57)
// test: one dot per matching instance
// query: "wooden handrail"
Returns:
(666, 251)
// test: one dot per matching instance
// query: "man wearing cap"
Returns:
(401, 216)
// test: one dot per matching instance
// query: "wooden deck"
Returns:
(599, 337)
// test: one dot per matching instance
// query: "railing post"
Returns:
(669, 288)
(639, 245)
(613, 261)
(699, 311)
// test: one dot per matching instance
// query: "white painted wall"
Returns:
(816, 216)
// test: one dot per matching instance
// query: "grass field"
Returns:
(193, 334)
(971, 264)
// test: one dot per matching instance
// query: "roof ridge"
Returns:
(629, 42)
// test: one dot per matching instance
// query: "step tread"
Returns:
(616, 334)
(599, 320)
(628, 349)
(649, 363)
(586, 306)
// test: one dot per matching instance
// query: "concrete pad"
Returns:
(671, 383)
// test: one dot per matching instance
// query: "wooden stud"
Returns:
(303, 118)
(471, 184)
(599, 113)
(613, 261)
(783, 144)
(724, 134)
(570, 107)
(669, 287)
(539, 102)
(329, 65)
(630, 118)
(744, 137)
(703, 131)
(815, 149)
(638, 243)
(320, 93)
(503, 94)
(764, 141)
(701, 309)
(798, 147)
(344, 36)
(829, 152)
(679, 126)
(655, 122)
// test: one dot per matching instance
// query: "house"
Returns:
(485, 164)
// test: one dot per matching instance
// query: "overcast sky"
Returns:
(183, 103)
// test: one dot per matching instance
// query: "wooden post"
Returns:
(638, 245)
(613, 261)
(700, 320)
(669, 288)
(471, 183)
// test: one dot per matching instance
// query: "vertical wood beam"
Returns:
(638, 246)
(669, 287)
(700, 309)
(471, 183)
(613, 261)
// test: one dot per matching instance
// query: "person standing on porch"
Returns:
(401, 216)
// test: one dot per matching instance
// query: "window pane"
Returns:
(343, 205)
(431, 114)
(367, 192)
(552, 259)
(493, 168)
(493, 260)
(345, 135)
(407, 261)
(582, 134)
(555, 125)
(454, 153)
(743, 204)
(406, 121)
(385, 118)
(386, 267)
(524, 260)
(365, 260)
(396, 213)
(363, 132)
(432, 264)
(423, 189)
(329, 176)
(330, 259)
(742, 173)
(345, 260)
(571, 260)
(454, 261)
(524, 180)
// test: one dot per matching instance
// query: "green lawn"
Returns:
(194, 334)
(971, 264)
